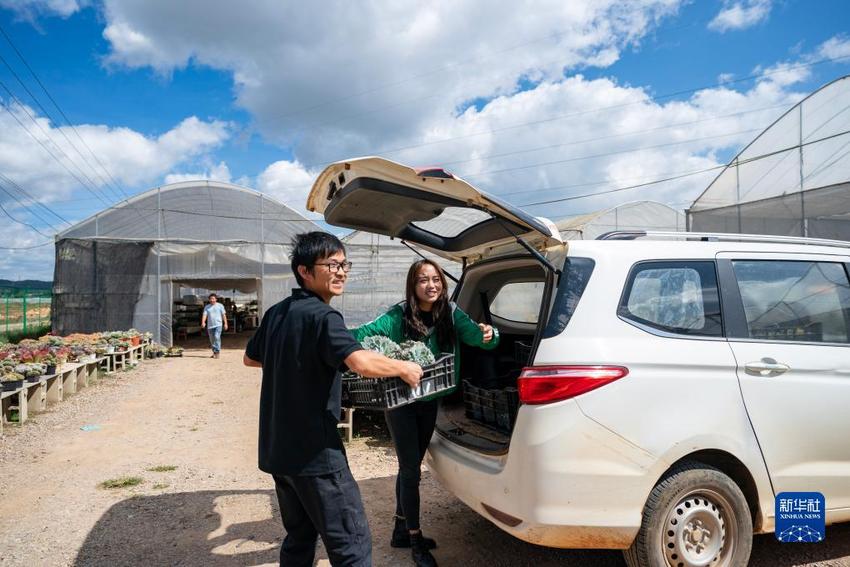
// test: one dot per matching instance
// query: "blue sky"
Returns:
(265, 93)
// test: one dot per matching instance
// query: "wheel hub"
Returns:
(695, 533)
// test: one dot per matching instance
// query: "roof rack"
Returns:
(721, 237)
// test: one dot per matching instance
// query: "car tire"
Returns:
(695, 516)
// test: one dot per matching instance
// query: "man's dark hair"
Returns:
(210, 296)
(309, 247)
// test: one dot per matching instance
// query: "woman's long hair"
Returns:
(414, 328)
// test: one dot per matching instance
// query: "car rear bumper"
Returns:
(566, 482)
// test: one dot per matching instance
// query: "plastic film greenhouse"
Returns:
(127, 266)
(640, 215)
(792, 180)
(377, 278)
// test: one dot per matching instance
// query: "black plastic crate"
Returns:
(388, 393)
(495, 408)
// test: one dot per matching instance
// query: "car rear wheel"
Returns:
(696, 516)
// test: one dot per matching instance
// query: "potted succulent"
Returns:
(174, 351)
(134, 336)
(11, 381)
(8, 366)
(61, 353)
(155, 350)
(35, 370)
(50, 363)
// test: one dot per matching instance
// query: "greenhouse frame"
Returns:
(792, 180)
(638, 215)
(378, 275)
(123, 266)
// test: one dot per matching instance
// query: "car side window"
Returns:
(676, 297)
(795, 300)
(518, 301)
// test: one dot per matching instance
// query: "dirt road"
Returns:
(214, 507)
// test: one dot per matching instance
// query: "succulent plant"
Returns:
(416, 351)
(35, 370)
(382, 345)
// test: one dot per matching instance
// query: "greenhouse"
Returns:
(640, 215)
(380, 263)
(792, 180)
(134, 264)
(378, 274)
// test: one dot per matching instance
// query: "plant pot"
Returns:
(110, 349)
(33, 379)
(12, 386)
(135, 341)
(159, 354)
(51, 369)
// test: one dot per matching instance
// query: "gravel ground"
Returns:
(214, 507)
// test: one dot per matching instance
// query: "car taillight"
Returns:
(545, 384)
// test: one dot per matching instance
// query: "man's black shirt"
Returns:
(302, 342)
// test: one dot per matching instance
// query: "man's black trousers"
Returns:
(329, 506)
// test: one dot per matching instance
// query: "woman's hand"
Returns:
(487, 331)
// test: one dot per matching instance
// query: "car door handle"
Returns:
(766, 367)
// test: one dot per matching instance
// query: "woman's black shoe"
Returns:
(421, 556)
(401, 536)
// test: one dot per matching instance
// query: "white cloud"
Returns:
(410, 75)
(634, 140)
(215, 172)
(835, 47)
(289, 183)
(31, 9)
(377, 72)
(125, 159)
(739, 15)
(22, 256)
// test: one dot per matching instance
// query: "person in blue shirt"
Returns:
(213, 318)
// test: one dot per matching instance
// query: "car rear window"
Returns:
(574, 278)
(675, 297)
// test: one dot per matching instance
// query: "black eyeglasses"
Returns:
(335, 266)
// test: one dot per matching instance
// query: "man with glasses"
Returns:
(301, 344)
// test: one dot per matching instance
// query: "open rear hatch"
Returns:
(428, 207)
(452, 219)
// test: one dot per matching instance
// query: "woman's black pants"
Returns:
(411, 427)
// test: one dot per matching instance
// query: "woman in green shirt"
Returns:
(426, 315)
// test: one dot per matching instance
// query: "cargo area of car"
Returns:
(512, 294)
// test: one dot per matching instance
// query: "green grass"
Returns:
(163, 468)
(121, 482)
(160, 486)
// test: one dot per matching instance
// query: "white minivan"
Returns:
(651, 392)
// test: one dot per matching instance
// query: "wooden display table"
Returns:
(50, 389)
(112, 361)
